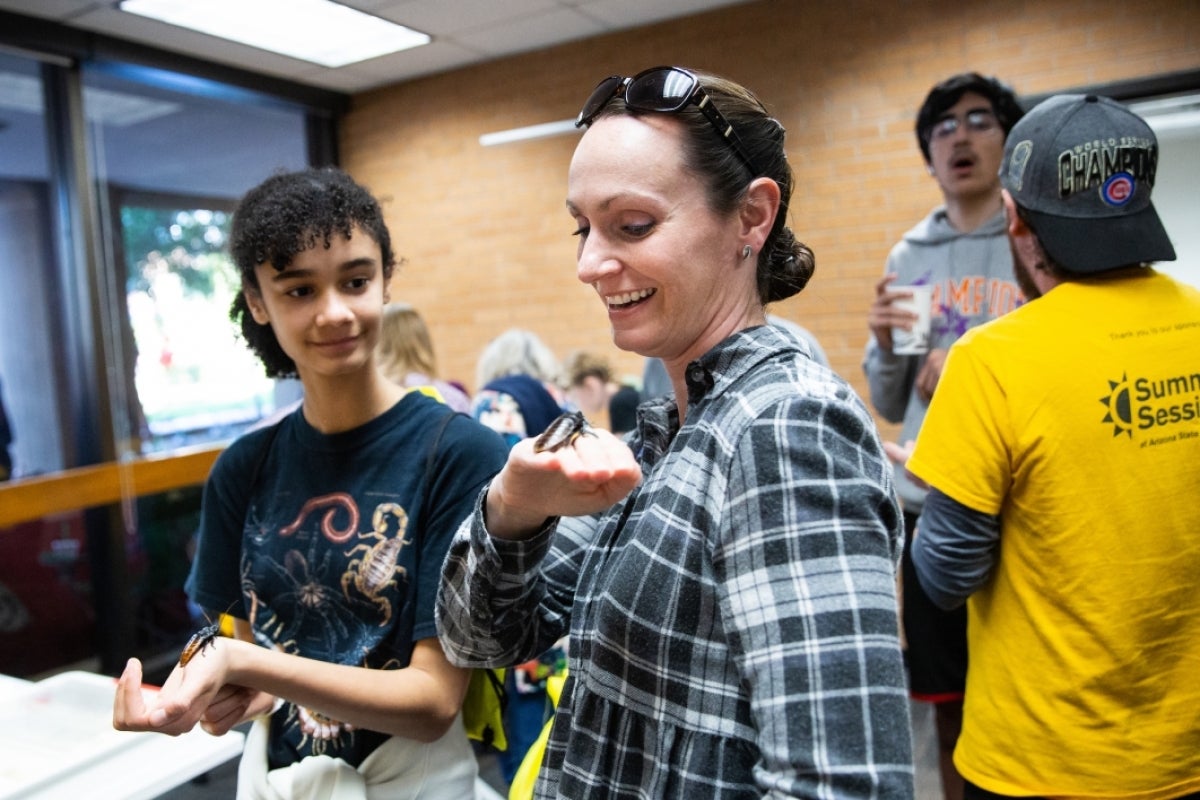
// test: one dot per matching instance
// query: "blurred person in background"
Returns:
(406, 355)
(518, 379)
(594, 390)
(1062, 452)
(960, 249)
(6, 440)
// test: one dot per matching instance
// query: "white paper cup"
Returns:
(914, 342)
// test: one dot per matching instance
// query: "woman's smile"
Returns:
(625, 300)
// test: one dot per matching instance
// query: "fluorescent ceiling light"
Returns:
(319, 31)
(541, 131)
(1170, 114)
(1166, 105)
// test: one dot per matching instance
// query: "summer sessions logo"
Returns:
(1154, 410)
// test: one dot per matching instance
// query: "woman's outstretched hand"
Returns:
(592, 473)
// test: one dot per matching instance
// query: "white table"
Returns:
(57, 741)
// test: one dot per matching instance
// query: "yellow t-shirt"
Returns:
(1076, 418)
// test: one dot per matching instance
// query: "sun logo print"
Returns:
(1120, 414)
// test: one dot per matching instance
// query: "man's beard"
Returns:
(1024, 276)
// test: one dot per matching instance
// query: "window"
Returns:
(29, 280)
(170, 168)
(194, 379)
(1176, 123)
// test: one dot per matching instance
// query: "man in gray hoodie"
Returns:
(961, 250)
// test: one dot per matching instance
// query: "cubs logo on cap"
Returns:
(1118, 189)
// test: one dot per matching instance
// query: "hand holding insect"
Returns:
(571, 470)
(200, 639)
(191, 694)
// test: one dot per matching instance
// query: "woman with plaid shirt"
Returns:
(727, 577)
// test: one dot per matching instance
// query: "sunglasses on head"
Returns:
(665, 90)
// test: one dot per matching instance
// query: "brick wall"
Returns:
(484, 232)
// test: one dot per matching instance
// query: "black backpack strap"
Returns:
(423, 508)
(430, 458)
(494, 679)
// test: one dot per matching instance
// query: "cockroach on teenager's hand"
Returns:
(200, 640)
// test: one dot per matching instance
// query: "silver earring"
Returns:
(746, 251)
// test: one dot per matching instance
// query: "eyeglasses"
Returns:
(978, 121)
(665, 90)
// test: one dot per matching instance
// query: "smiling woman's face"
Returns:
(668, 268)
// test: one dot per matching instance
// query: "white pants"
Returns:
(399, 769)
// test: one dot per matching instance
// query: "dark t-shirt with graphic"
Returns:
(313, 539)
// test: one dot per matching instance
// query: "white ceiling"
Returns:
(464, 32)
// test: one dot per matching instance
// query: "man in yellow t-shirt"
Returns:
(1062, 451)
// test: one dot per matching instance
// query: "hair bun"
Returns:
(789, 268)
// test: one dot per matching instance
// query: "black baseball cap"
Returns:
(1082, 167)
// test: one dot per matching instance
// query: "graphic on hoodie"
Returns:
(960, 303)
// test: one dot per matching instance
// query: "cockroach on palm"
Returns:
(562, 432)
(200, 640)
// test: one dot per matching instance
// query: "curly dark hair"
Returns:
(945, 94)
(286, 214)
(785, 264)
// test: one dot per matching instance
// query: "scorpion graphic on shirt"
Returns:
(379, 565)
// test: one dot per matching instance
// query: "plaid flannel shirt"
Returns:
(733, 622)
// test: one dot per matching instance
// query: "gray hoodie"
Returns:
(973, 282)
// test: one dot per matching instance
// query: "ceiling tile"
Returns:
(532, 32)
(632, 13)
(450, 18)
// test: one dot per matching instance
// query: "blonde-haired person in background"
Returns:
(406, 355)
(517, 352)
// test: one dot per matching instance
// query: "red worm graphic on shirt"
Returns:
(338, 500)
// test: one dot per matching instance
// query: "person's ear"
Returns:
(1013, 222)
(1023, 239)
(254, 302)
(758, 212)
